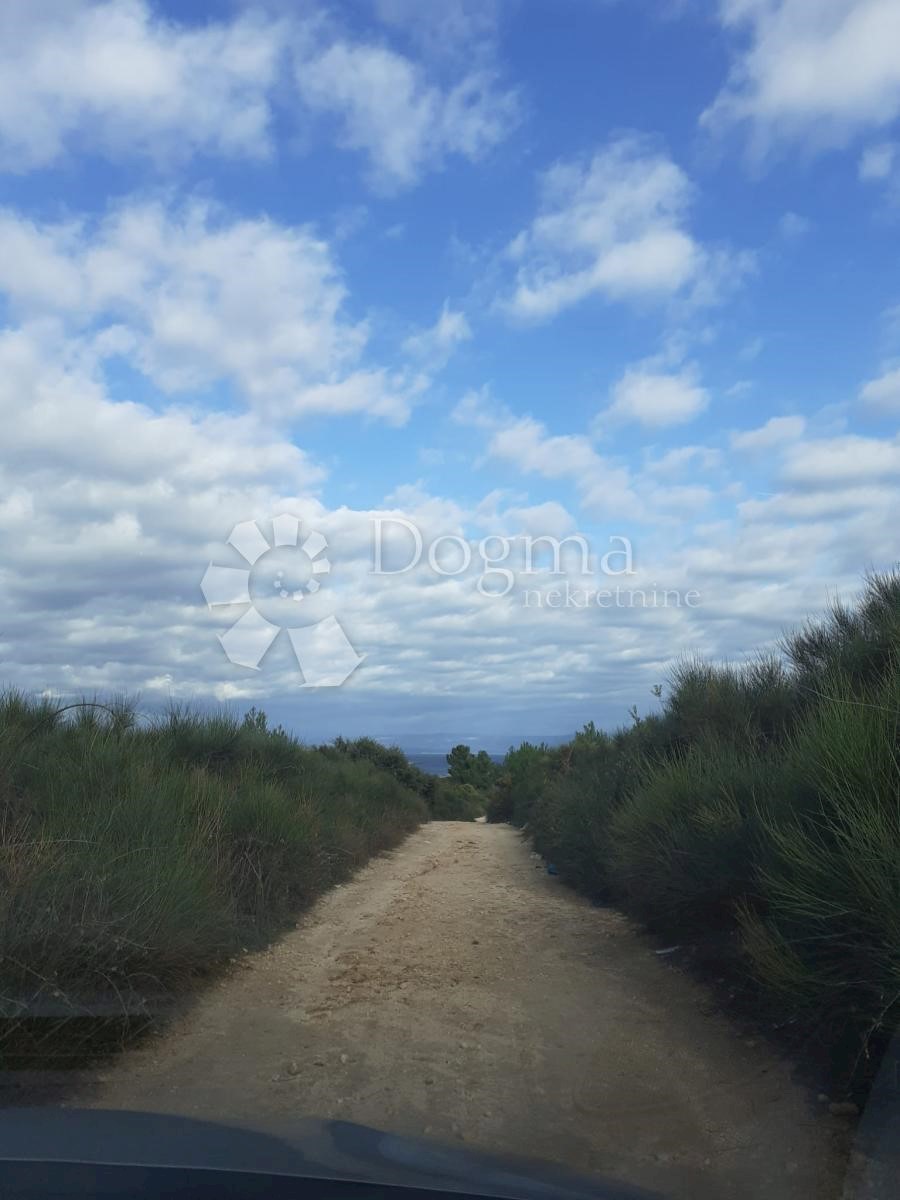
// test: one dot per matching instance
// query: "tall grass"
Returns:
(823, 930)
(758, 811)
(136, 857)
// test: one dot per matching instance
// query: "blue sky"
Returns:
(613, 270)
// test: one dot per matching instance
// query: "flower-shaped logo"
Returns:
(279, 581)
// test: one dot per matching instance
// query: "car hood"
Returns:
(303, 1146)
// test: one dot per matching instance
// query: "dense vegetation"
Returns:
(464, 794)
(757, 815)
(135, 856)
(460, 796)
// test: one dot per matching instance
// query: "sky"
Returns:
(572, 327)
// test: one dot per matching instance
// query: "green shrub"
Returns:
(762, 803)
(456, 802)
(520, 782)
(682, 844)
(386, 758)
(135, 857)
(479, 769)
(855, 646)
(570, 822)
(825, 933)
(746, 707)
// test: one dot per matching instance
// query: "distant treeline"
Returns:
(756, 816)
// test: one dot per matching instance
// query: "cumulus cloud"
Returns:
(835, 462)
(685, 458)
(194, 297)
(389, 108)
(110, 512)
(883, 394)
(657, 399)
(614, 225)
(453, 28)
(436, 344)
(477, 408)
(604, 485)
(877, 162)
(840, 503)
(57, 416)
(117, 77)
(526, 443)
(163, 348)
(818, 73)
(776, 432)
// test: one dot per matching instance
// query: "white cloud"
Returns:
(376, 392)
(526, 443)
(657, 399)
(550, 518)
(883, 393)
(118, 78)
(125, 81)
(820, 72)
(792, 226)
(436, 344)
(452, 28)
(57, 417)
(684, 458)
(776, 432)
(877, 162)
(741, 388)
(614, 226)
(476, 408)
(195, 297)
(111, 511)
(836, 462)
(681, 499)
(605, 486)
(840, 503)
(390, 109)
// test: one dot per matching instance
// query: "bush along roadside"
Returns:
(755, 816)
(137, 858)
(459, 796)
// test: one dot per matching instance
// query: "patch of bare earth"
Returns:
(452, 989)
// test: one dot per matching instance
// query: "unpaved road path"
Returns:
(454, 990)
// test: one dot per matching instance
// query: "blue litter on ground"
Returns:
(551, 869)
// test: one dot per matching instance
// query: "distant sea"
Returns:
(428, 758)
(436, 764)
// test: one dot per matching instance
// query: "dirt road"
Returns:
(456, 990)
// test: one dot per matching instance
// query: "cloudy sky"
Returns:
(533, 268)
